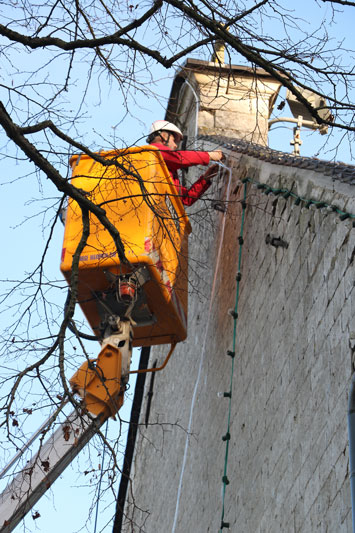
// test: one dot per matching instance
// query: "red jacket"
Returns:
(183, 159)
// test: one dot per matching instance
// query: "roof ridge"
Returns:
(337, 170)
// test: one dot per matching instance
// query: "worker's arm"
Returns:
(189, 196)
(187, 158)
(176, 159)
(183, 158)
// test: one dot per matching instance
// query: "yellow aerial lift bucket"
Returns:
(142, 202)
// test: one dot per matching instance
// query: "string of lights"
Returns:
(301, 200)
(336, 170)
(231, 353)
(341, 172)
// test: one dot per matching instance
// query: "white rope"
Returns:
(203, 350)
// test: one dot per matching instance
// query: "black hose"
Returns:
(131, 440)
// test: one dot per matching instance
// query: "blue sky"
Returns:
(25, 226)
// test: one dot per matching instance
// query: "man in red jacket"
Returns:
(166, 136)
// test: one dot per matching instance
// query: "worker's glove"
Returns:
(217, 155)
(211, 173)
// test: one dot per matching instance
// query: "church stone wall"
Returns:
(288, 452)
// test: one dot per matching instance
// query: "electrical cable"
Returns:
(231, 353)
(131, 440)
(338, 171)
(306, 202)
(202, 356)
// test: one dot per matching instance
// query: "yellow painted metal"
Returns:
(156, 368)
(99, 382)
(142, 202)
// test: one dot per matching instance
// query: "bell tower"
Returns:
(214, 98)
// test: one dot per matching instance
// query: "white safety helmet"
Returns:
(164, 125)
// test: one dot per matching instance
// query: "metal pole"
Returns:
(45, 467)
(42, 428)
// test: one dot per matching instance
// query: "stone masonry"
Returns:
(288, 456)
(288, 451)
(227, 100)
